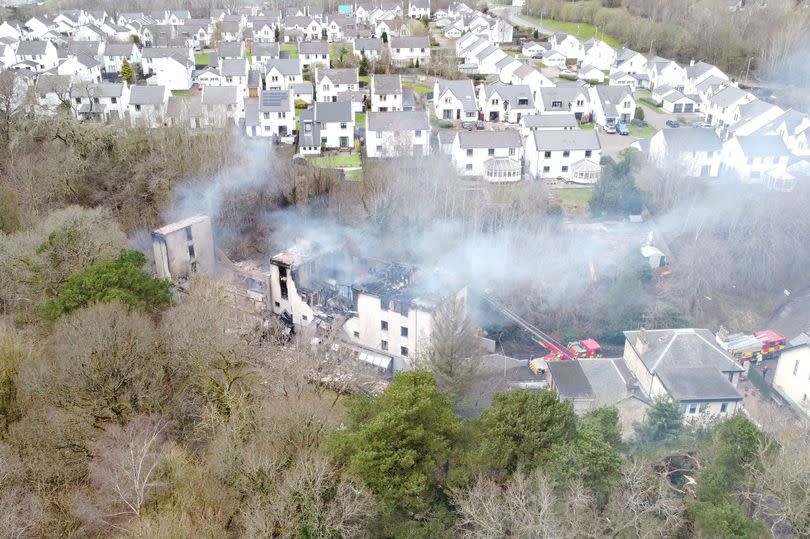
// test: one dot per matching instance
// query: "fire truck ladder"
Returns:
(539, 336)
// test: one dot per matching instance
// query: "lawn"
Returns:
(202, 58)
(539, 65)
(581, 30)
(513, 54)
(291, 48)
(360, 119)
(354, 175)
(588, 126)
(575, 196)
(653, 108)
(417, 87)
(337, 161)
(642, 132)
(181, 92)
(363, 78)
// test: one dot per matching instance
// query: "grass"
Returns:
(513, 54)
(575, 196)
(540, 65)
(291, 48)
(354, 175)
(202, 58)
(417, 87)
(364, 78)
(653, 108)
(360, 119)
(642, 132)
(588, 127)
(337, 161)
(581, 30)
(181, 92)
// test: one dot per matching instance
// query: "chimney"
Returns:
(642, 344)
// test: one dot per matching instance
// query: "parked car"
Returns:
(673, 123)
(469, 126)
(610, 129)
(622, 129)
(480, 125)
(566, 72)
(702, 125)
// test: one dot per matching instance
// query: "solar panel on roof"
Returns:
(272, 99)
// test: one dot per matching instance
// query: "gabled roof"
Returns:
(286, 66)
(565, 139)
(219, 95)
(274, 101)
(681, 348)
(507, 138)
(511, 93)
(313, 47)
(302, 88)
(691, 140)
(261, 50)
(368, 44)
(346, 75)
(147, 95)
(32, 47)
(549, 120)
(118, 49)
(234, 67)
(415, 120)
(698, 384)
(728, 96)
(386, 84)
(333, 112)
(762, 145)
(697, 70)
(230, 49)
(409, 42)
(104, 89)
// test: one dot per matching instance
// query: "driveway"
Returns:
(613, 145)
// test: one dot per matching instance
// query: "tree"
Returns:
(639, 114)
(277, 34)
(521, 430)
(454, 355)
(616, 192)
(119, 279)
(536, 34)
(363, 64)
(125, 466)
(385, 37)
(663, 422)
(590, 459)
(12, 103)
(9, 210)
(399, 442)
(126, 72)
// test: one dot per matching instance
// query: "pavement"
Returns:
(512, 15)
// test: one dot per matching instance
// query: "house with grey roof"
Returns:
(147, 105)
(571, 155)
(271, 115)
(749, 118)
(264, 51)
(51, 91)
(721, 105)
(547, 122)
(303, 91)
(455, 100)
(495, 156)
(81, 68)
(106, 101)
(40, 55)
(758, 159)
(326, 126)
(231, 50)
(564, 99)
(314, 54)
(221, 106)
(114, 54)
(397, 134)
(370, 47)
(693, 153)
(386, 93)
(330, 82)
(281, 73)
(612, 104)
(688, 366)
(500, 102)
(409, 50)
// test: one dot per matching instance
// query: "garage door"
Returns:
(678, 107)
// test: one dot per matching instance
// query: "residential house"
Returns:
(397, 134)
(759, 159)
(314, 54)
(794, 128)
(495, 156)
(262, 52)
(330, 82)
(115, 54)
(81, 68)
(89, 32)
(620, 78)
(94, 49)
(386, 93)
(235, 72)
(170, 70)
(749, 118)
(281, 73)
(696, 73)
(676, 102)
(612, 104)
(310, 28)
(231, 50)
(178, 17)
(500, 102)
(568, 154)
(147, 105)
(396, 27)
(272, 116)
(221, 106)
(695, 153)
(326, 125)
(230, 30)
(547, 122)
(555, 58)
(370, 47)
(688, 366)
(722, 104)
(530, 76)
(598, 54)
(357, 99)
(534, 49)
(11, 30)
(792, 377)
(630, 62)
(264, 30)
(38, 55)
(407, 51)
(566, 44)
(254, 83)
(418, 9)
(488, 60)
(663, 71)
(591, 74)
(455, 100)
(105, 101)
(50, 92)
(303, 91)
(568, 99)
(465, 42)
(36, 27)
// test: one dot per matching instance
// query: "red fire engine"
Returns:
(765, 344)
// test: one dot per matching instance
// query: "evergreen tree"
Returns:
(363, 68)
(127, 74)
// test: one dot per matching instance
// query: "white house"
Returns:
(50, 92)
(455, 100)
(10, 31)
(314, 53)
(612, 104)
(407, 51)
(698, 72)
(568, 154)
(386, 93)
(303, 91)
(310, 28)
(630, 62)
(500, 102)
(370, 47)
(40, 55)
(173, 72)
(695, 153)
(147, 105)
(495, 156)
(792, 377)
(81, 68)
(555, 58)
(36, 27)
(262, 52)
(567, 44)
(533, 49)
(722, 104)
(105, 101)
(759, 159)
(115, 53)
(89, 32)
(221, 106)
(663, 71)
(568, 99)
(330, 82)
(281, 73)
(530, 76)
(397, 134)
(794, 128)
(488, 60)
(547, 122)
(677, 102)
(620, 78)
(591, 74)
(418, 9)
(688, 366)
(598, 54)
(326, 125)
(749, 118)
(235, 72)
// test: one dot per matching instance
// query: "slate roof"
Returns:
(697, 384)
(691, 140)
(549, 120)
(512, 93)
(728, 96)
(679, 348)
(230, 49)
(368, 44)
(387, 84)
(104, 89)
(287, 66)
(338, 75)
(261, 50)
(118, 49)
(566, 139)
(333, 112)
(219, 95)
(313, 47)
(415, 120)
(409, 42)
(32, 47)
(274, 101)
(462, 89)
(147, 95)
(507, 138)
(569, 380)
(302, 88)
(234, 67)
(762, 145)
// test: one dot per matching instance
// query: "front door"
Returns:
(344, 142)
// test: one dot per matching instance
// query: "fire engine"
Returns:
(587, 348)
(765, 344)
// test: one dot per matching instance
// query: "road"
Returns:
(513, 16)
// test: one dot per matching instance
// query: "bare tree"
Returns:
(12, 103)
(125, 469)
(20, 510)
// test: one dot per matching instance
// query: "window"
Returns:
(384, 325)
(469, 152)
(304, 317)
(114, 100)
(491, 151)
(565, 168)
(795, 367)
(556, 104)
(417, 134)
(384, 345)
(731, 377)
(189, 234)
(379, 149)
(356, 334)
(468, 168)
(78, 100)
(267, 117)
(547, 155)
(282, 114)
(191, 251)
(403, 351)
(693, 408)
(566, 153)
(277, 304)
(546, 170)
(588, 153)
(403, 331)
(138, 108)
(703, 407)
(511, 151)
(724, 408)
(343, 125)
